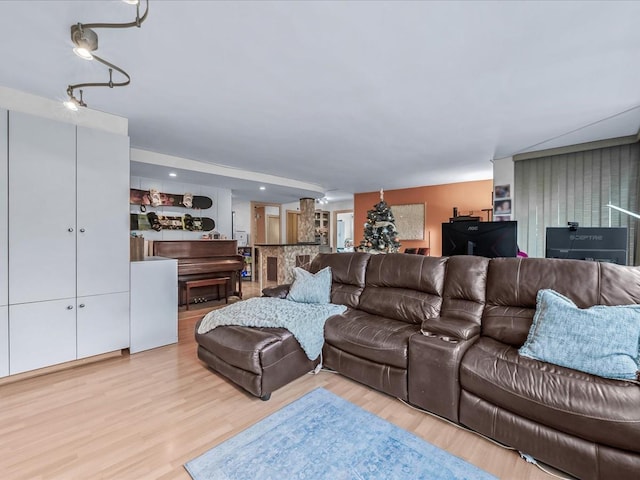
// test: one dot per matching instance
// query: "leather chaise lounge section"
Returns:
(260, 360)
(443, 334)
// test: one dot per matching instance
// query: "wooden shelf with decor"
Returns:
(322, 227)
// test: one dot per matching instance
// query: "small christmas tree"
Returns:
(380, 234)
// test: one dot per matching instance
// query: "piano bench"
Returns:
(207, 282)
(259, 360)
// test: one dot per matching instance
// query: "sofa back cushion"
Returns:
(348, 270)
(465, 288)
(513, 283)
(404, 287)
(619, 285)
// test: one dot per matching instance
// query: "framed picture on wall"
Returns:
(501, 191)
(502, 207)
(502, 218)
(410, 220)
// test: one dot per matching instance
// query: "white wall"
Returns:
(220, 211)
(503, 174)
(344, 205)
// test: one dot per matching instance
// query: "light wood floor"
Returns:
(143, 416)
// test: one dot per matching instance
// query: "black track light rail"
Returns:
(111, 84)
(136, 23)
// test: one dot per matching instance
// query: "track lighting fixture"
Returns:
(73, 103)
(85, 40)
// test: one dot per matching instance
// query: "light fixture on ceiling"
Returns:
(173, 174)
(85, 41)
(262, 187)
(73, 103)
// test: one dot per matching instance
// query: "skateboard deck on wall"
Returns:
(142, 197)
(142, 221)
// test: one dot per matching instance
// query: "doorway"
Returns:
(265, 225)
(292, 226)
(273, 228)
(343, 233)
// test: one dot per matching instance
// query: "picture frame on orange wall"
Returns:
(410, 220)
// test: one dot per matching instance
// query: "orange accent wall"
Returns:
(469, 197)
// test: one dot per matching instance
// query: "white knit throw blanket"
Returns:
(305, 321)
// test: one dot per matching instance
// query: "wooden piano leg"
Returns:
(239, 275)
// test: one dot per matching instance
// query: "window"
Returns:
(576, 187)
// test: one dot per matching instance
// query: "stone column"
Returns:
(306, 221)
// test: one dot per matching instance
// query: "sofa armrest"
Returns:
(279, 291)
(455, 328)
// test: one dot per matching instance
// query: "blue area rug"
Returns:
(323, 437)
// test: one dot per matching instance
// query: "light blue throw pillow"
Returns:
(600, 340)
(310, 288)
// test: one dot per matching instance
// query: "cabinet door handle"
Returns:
(82, 230)
(81, 305)
(69, 229)
(69, 307)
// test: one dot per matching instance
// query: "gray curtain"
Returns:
(575, 187)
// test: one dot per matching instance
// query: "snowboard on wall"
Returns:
(144, 198)
(151, 221)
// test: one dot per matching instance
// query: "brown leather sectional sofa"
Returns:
(443, 334)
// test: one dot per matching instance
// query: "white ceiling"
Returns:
(349, 96)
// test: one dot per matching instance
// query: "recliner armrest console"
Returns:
(434, 364)
(450, 329)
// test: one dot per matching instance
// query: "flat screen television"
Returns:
(602, 244)
(484, 239)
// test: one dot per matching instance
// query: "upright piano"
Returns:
(199, 259)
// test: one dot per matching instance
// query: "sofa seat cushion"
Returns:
(378, 339)
(250, 349)
(591, 407)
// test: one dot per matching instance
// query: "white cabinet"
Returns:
(103, 212)
(4, 252)
(41, 334)
(42, 215)
(154, 303)
(4, 213)
(4, 341)
(102, 323)
(68, 242)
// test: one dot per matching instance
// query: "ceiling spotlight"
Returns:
(173, 174)
(83, 53)
(73, 103)
(85, 40)
(262, 187)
